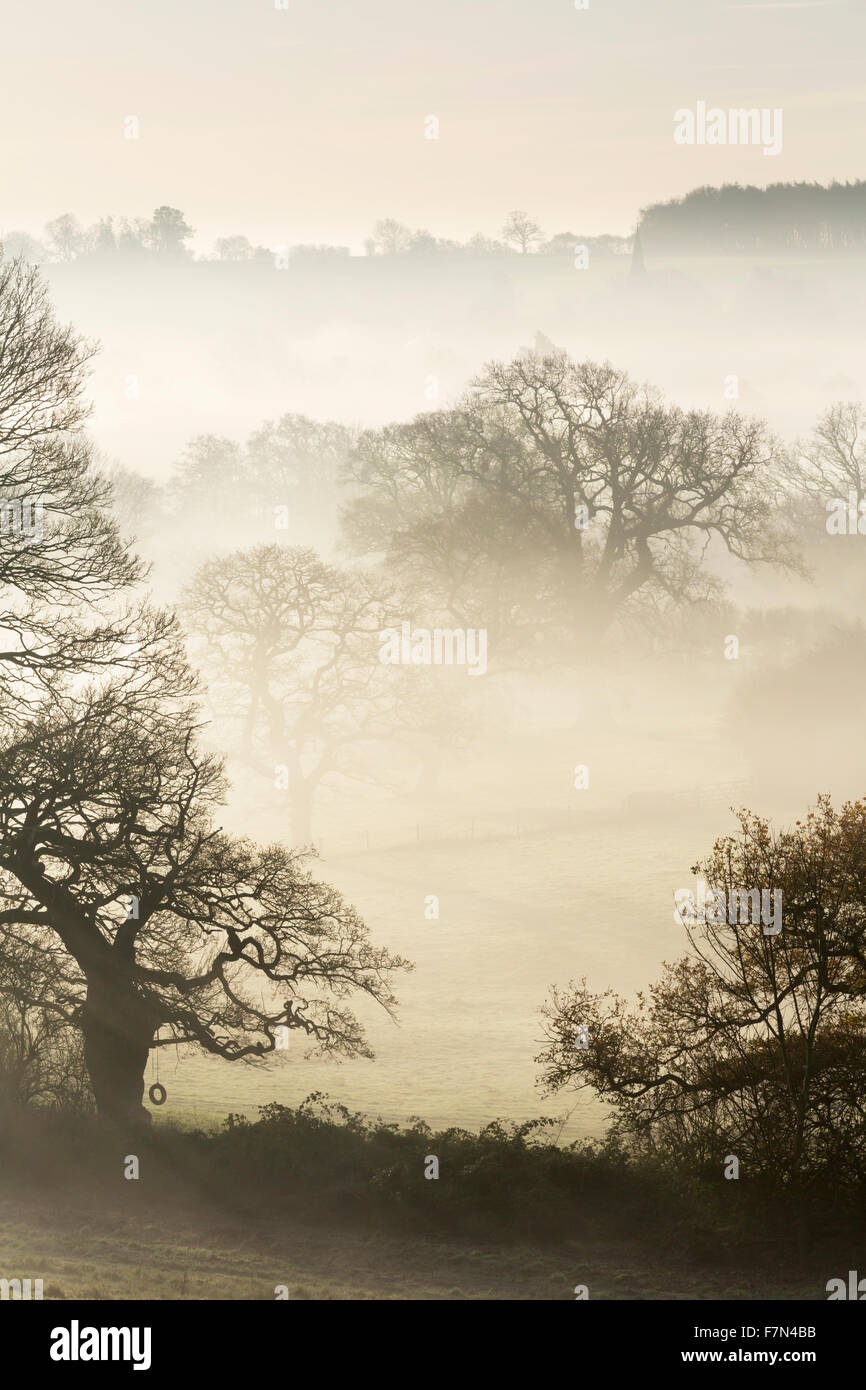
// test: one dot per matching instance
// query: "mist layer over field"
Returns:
(538, 881)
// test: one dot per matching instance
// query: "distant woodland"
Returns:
(730, 220)
(783, 217)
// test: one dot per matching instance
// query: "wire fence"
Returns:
(525, 822)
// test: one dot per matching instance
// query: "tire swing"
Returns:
(157, 1093)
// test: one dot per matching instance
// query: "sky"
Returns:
(307, 123)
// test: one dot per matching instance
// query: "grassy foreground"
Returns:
(337, 1207)
(84, 1252)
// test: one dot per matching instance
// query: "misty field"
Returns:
(469, 1026)
(432, 830)
(597, 869)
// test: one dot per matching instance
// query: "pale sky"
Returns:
(306, 124)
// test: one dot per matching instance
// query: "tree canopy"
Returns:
(751, 1044)
(556, 497)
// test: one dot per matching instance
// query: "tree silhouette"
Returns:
(390, 237)
(581, 494)
(292, 644)
(832, 462)
(63, 575)
(107, 841)
(65, 237)
(521, 231)
(735, 219)
(108, 848)
(168, 231)
(298, 463)
(234, 248)
(752, 1043)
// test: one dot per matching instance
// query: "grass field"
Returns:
(332, 1207)
(86, 1251)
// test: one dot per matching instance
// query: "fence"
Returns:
(525, 822)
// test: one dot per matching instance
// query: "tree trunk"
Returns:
(118, 1031)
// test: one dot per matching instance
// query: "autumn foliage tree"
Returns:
(751, 1044)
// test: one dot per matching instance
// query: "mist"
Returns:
(431, 586)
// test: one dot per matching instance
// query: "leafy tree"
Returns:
(134, 236)
(168, 231)
(103, 237)
(752, 1044)
(781, 217)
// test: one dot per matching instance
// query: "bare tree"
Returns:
(293, 644)
(41, 1047)
(108, 849)
(107, 843)
(209, 480)
(65, 236)
(584, 492)
(64, 568)
(234, 248)
(521, 231)
(832, 462)
(22, 245)
(390, 237)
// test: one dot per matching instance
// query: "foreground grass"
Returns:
(335, 1206)
(85, 1252)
